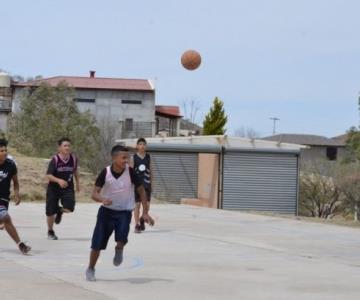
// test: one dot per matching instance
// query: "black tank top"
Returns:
(142, 169)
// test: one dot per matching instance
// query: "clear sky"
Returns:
(298, 60)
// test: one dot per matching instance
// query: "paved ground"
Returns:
(192, 253)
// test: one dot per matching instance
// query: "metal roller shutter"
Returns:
(260, 181)
(175, 175)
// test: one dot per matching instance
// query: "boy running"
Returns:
(8, 173)
(115, 190)
(142, 167)
(62, 169)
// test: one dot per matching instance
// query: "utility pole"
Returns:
(274, 119)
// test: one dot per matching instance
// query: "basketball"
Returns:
(191, 60)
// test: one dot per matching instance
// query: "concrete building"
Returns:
(5, 99)
(318, 147)
(126, 104)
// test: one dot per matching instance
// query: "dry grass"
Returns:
(336, 220)
(31, 172)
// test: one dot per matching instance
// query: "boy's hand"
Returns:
(63, 184)
(78, 189)
(106, 201)
(148, 219)
(17, 199)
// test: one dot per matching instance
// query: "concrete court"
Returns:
(192, 253)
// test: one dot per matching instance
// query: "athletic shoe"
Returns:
(142, 224)
(58, 217)
(118, 258)
(24, 248)
(52, 235)
(90, 274)
(137, 228)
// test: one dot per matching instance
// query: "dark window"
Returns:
(128, 124)
(331, 153)
(131, 101)
(84, 100)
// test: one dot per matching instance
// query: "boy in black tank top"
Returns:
(142, 167)
(8, 174)
(62, 170)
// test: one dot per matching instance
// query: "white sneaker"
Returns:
(90, 274)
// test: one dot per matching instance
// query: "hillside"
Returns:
(31, 172)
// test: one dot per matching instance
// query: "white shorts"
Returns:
(3, 212)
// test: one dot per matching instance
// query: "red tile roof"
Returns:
(171, 111)
(94, 83)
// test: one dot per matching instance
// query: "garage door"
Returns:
(260, 181)
(175, 175)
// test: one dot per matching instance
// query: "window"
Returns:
(131, 101)
(128, 124)
(331, 153)
(84, 100)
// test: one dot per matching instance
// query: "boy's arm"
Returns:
(96, 196)
(151, 176)
(63, 184)
(49, 175)
(77, 180)
(16, 189)
(144, 201)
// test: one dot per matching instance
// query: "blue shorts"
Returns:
(3, 212)
(109, 220)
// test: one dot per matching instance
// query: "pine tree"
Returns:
(216, 119)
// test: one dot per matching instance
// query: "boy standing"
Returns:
(142, 167)
(114, 188)
(62, 169)
(8, 173)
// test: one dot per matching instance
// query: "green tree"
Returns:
(48, 113)
(353, 142)
(216, 119)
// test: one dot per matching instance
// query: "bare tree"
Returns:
(348, 180)
(247, 132)
(191, 109)
(320, 196)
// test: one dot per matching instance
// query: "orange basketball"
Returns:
(191, 60)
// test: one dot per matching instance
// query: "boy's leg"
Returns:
(68, 204)
(102, 232)
(122, 228)
(94, 255)
(147, 208)
(137, 217)
(11, 230)
(90, 271)
(52, 207)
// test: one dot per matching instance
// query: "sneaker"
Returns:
(52, 235)
(137, 228)
(118, 258)
(58, 217)
(142, 224)
(90, 274)
(25, 249)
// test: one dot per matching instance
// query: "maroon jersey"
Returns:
(63, 169)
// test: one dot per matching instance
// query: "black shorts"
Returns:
(109, 220)
(147, 192)
(66, 196)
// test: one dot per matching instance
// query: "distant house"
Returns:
(167, 120)
(127, 103)
(318, 147)
(170, 122)
(188, 128)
